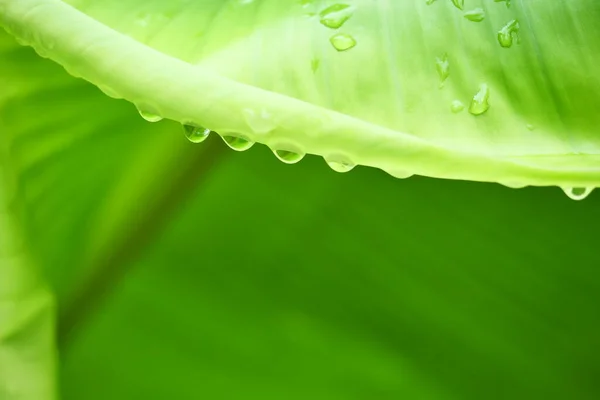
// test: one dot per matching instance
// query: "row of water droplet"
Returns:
(198, 134)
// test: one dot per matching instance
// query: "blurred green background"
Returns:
(191, 271)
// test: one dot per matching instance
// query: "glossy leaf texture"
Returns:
(190, 271)
(477, 91)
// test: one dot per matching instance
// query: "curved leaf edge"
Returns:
(162, 85)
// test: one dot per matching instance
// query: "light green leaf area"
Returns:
(189, 271)
(357, 82)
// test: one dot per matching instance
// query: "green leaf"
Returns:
(190, 271)
(269, 71)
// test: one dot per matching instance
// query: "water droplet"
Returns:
(443, 68)
(530, 127)
(508, 33)
(457, 106)
(195, 134)
(500, 1)
(260, 122)
(429, 2)
(342, 41)
(460, 4)
(339, 165)
(400, 174)
(480, 103)
(513, 184)
(289, 157)
(149, 116)
(40, 50)
(237, 143)
(475, 15)
(578, 193)
(336, 15)
(315, 63)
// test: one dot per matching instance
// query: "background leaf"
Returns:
(27, 308)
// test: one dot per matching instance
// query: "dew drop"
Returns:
(336, 15)
(288, 157)
(315, 63)
(260, 122)
(400, 174)
(442, 66)
(149, 116)
(339, 165)
(429, 2)
(475, 15)
(509, 33)
(342, 41)
(530, 127)
(514, 184)
(578, 193)
(40, 50)
(457, 106)
(195, 134)
(237, 143)
(480, 103)
(460, 4)
(506, 1)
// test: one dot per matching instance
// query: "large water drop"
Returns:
(475, 15)
(196, 134)
(457, 106)
(509, 33)
(339, 165)
(289, 157)
(480, 103)
(150, 117)
(578, 193)
(342, 41)
(237, 143)
(336, 15)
